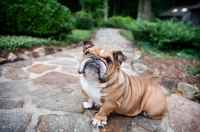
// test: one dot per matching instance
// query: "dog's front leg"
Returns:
(100, 119)
(88, 104)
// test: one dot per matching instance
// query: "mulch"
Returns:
(171, 68)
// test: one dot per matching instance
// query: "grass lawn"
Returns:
(16, 42)
(127, 33)
(79, 35)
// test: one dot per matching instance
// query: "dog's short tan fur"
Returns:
(127, 95)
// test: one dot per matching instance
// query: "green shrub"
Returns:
(197, 36)
(98, 13)
(192, 69)
(84, 23)
(100, 23)
(141, 30)
(169, 36)
(81, 14)
(41, 18)
(166, 34)
(120, 21)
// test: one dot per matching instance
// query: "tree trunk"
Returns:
(106, 10)
(89, 11)
(144, 10)
(147, 10)
(140, 9)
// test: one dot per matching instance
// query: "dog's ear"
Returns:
(119, 57)
(86, 44)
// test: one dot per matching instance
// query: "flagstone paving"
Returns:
(44, 95)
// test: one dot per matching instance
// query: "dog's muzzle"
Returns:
(93, 64)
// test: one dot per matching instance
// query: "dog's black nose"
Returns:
(95, 57)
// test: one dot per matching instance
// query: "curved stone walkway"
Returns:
(44, 95)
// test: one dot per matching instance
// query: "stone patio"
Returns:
(45, 95)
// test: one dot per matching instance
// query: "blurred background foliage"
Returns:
(42, 18)
(65, 21)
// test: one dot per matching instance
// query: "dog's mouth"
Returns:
(93, 69)
(93, 64)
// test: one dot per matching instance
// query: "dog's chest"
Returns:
(92, 89)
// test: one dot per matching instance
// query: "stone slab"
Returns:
(19, 64)
(45, 58)
(73, 50)
(126, 66)
(128, 54)
(16, 74)
(129, 61)
(1, 71)
(184, 115)
(134, 127)
(170, 84)
(40, 68)
(65, 62)
(56, 80)
(164, 125)
(10, 104)
(188, 90)
(67, 123)
(61, 54)
(69, 100)
(70, 70)
(13, 89)
(14, 121)
(128, 48)
(77, 54)
(148, 124)
(117, 123)
(139, 67)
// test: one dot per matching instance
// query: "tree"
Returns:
(106, 10)
(95, 8)
(117, 7)
(144, 10)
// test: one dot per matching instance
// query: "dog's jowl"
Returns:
(107, 86)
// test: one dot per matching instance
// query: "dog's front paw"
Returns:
(98, 123)
(97, 105)
(87, 105)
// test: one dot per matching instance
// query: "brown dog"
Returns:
(107, 86)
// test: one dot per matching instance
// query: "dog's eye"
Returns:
(108, 61)
(86, 53)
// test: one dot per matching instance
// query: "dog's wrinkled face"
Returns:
(97, 63)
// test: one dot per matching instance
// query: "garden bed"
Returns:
(172, 68)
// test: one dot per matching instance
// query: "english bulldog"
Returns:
(106, 85)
